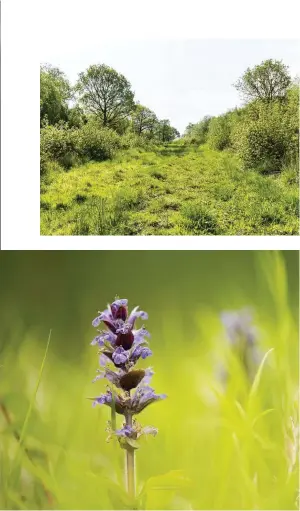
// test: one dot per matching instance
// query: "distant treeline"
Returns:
(265, 131)
(104, 117)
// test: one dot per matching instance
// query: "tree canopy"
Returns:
(267, 81)
(55, 92)
(106, 93)
(144, 120)
(165, 132)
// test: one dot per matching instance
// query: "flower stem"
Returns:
(130, 463)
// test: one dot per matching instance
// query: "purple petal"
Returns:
(119, 355)
(148, 375)
(136, 314)
(125, 431)
(119, 309)
(104, 336)
(103, 399)
(99, 376)
(146, 352)
(123, 302)
(103, 360)
(96, 322)
(140, 334)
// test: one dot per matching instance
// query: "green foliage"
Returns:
(143, 121)
(199, 219)
(267, 138)
(130, 140)
(197, 133)
(219, 132)
(69, 147)
(55, 91)
(174, 189)
(76, 117)
(164, 132)
(268, 81)
(106, 93)
(60, 144)
(99, 216)
(98, 144)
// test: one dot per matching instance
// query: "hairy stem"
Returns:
(130, 463)
(113, 411)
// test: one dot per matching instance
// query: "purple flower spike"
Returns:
(120, 347)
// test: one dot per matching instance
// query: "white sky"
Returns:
(180, 79)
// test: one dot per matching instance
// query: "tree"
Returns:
(189, 129)
(55, 92)
(267, 81)
(165, 132)
(143, 120)
(76, 117)
(106, 93)
(197, 133)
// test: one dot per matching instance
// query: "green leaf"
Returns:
(133, 443)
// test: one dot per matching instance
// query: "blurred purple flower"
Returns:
(239, 324)
(242, 335)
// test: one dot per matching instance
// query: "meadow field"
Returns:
(228, 428)
(111, 166)
(175, 189)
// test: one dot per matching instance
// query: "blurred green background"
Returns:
(215, 449)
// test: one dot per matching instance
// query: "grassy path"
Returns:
(175, 190)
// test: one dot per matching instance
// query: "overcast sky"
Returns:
(181, 80)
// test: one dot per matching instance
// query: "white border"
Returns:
(22, 32)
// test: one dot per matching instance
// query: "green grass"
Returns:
(173, 190)
(216, 448)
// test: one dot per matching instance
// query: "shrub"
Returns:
(60, 144)
(219, 132)
(96, 143)
(268, 136)
(130, 140)
(197, 133)
(70, 147)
